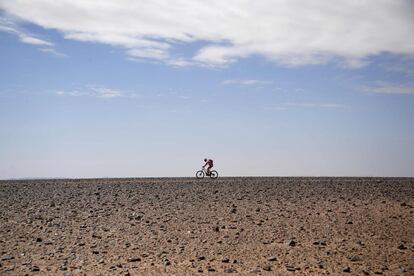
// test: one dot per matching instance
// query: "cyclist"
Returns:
(209, 164)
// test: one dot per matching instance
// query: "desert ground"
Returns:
(185, 226)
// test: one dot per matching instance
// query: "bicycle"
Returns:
(201, 173)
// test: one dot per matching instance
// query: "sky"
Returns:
(150, 88)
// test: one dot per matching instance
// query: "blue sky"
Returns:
(276, 88)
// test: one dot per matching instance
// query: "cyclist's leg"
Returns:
(209, 169)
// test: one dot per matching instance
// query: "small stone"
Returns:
(267, 268)
(211, 269)
(291, 243)
(200, 258)
(200, 270)
(290, 268)
(134, 259)
(322, 243)
(225, 260)
(38, 240)
(355, 258)
(7, 258)
(272, 258)
(347, 269)
(403, 204)
(166, 262)
(229, 270)
(35, 268)
(402, 247)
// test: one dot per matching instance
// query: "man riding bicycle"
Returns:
(209, 164)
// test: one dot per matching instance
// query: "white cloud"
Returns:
(7, 25)
(52, 51)
(389, 88)
(292, 33)
(401, 66)
(92, 91)
(33, 40)
(317, 105)
(247, 82)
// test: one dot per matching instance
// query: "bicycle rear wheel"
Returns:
(213, 174)
(199, 174)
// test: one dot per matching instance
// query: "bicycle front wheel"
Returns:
(213, 174)
(199, 174)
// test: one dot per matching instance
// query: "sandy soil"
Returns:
(184, 226)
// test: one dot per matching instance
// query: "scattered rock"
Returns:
(291, 242)
(267, 268)
(134, 259)
(402, 247)
(291, 268)
(355, 258)
(39, 240)
(347, 269)
(225, 260)
(7, 258)
(211, 269)
(166, 262)
(230, 270)
(272, 258)
(35, 268)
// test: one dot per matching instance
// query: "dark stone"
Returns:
(225, 260)
(402, 247)
(272, 258)
(166, 262)
(290, 268)
(7, 258)
(355, 258)
(38, 240)
(134, 259)
(291, 243)
(229, 270)
(347, 269)
(267, 268)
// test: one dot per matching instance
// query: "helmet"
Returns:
(205, 159)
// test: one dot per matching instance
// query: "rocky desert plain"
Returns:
(185, 226)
